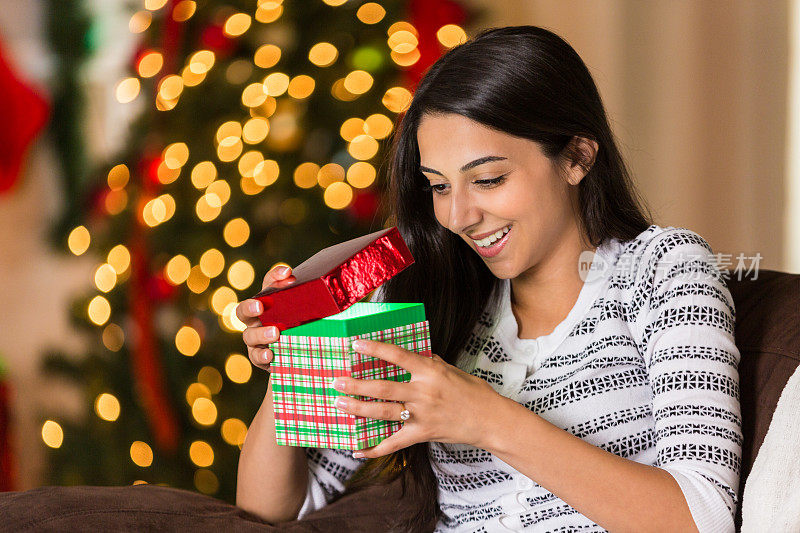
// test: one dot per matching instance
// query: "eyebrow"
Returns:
(471, 164)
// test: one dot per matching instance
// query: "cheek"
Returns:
(441, 211)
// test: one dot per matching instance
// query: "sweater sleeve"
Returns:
(328, 470)
(687, 341)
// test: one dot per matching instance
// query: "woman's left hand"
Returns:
(446, 403)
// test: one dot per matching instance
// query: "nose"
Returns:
(464, 212)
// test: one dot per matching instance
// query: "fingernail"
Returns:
(255, 307)
(338, 385)
(283, 270)
(272, 331)
(358, 455)
(340, 402)
(357, 345)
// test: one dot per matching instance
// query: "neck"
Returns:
(543, 296)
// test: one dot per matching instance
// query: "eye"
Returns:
(439, 188)
(494, 181)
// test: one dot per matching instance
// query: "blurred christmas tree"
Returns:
(262, 129)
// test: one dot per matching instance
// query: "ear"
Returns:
(585, 152)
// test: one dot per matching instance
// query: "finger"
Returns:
(259, 336)
(278, 273)
(283, 283)
(248, 311)
(376, 409)
(397, 441)
(260, 357)
(383, 389)
(405, 359)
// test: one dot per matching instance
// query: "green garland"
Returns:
(71, 36)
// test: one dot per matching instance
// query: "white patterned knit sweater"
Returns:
(644, 366)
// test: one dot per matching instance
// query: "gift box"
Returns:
(335, 278)
(319, 316)
(307, 358)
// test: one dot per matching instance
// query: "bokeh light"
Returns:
(370, 13)
(323, 54)
(451, 35)
(301, 86)
(211, 378)
(204, 411)
(107, 407)
(338, 195)
(241, 275)
(396, 99)
(118, 177)
(141, 454)
(119, 258)
(363, 147)
(52, 434)
(201, 454)
(267, 56)
(78, 240)
(236, 232)
(177, 269)
(105, 277)
(237, 24)
(113, 337)
(150, 64)
(238, 368)
(220, 299)
(203, 174)
(361, 174)
(233, 431)
(127, 90)
(358, 82)
(197, 281)
(187, 340)
(268, 11)
(305, 175)
(255, 130)
(212, 263)
(195, 391)
(140, 21)
(99, 310)
(184, 10)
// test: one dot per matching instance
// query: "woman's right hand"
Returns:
(256, 336)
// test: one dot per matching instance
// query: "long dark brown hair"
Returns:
(528, 82)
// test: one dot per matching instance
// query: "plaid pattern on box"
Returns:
(303, 370)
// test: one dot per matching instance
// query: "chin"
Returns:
(501, 272)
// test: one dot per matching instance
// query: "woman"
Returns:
(602, 397)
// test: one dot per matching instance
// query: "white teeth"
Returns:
(488, 241)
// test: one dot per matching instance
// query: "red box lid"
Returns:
(335, 278)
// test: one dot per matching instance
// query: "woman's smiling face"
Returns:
(484, 180)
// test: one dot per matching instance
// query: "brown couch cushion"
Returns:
(768, 337)
(127, 508)
(156, 508)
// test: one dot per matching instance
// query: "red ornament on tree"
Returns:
(160, 289)
(427, 16)
(364, 206)
(148, 166)
(213, 38)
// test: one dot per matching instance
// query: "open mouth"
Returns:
(493, 244)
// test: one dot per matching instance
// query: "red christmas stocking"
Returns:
(24, 113)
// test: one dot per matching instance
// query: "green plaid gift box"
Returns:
(308, 357)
